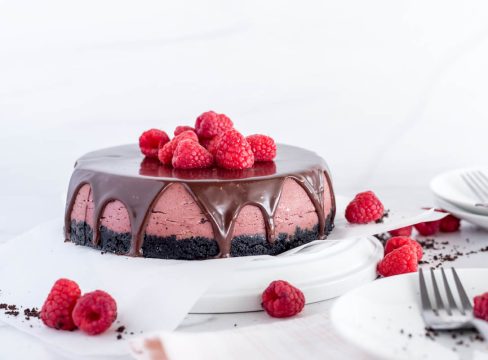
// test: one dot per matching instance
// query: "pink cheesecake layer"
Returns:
(78, 213)
(176, 213)
(115, 216)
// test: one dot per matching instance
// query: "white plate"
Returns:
(322, 272)
(383, 318)
(476, 219)
(450, 187)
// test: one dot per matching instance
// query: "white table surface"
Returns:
(390, 93)
(14, 344)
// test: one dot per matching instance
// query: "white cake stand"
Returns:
(322, 272)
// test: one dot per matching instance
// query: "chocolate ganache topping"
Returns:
(122, 173)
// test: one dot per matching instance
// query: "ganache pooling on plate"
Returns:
(122, 173)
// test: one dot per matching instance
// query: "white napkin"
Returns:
(297, 338)
(151, 294)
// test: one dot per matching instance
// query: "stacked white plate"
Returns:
(455, 196)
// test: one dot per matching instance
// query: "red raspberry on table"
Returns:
(191, 155)
(165, 154)
(364, 208)
(281, 299)
(398, 241)
(450, 223)
(58, 307)
(263, 147)
(151, 140)
(399, 261)
(404, 231)
(480, 309)
(210, 124)
(234, 152)
(95, 312)
(183, 128)
(427, 228)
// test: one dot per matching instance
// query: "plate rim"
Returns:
(466, 206)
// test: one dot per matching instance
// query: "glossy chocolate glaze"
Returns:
(122, 173)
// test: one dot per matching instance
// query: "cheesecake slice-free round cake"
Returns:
(121, 202)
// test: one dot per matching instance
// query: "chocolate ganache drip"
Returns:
(121, 173)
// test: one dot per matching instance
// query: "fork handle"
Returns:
(481, 326)
(483, 205)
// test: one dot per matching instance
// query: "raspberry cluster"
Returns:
(66, 309)
(448, 224)
(213, 141)
(402, 253)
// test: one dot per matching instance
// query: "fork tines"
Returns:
(463, 307)
(477, 182)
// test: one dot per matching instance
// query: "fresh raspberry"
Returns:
(165, 154)
(191, 155)
(234, 152)
(206, 115)
(398, 241)
(263, 147)
(205, 142)
(428, 228)
(58, 307)
(185, 135)
(400, 261)
(450, 223)
(364, 208)
(480, 309)
(282, 299)
(212, 124)
(213, 144)
(183, 128)
(404, 231)
(95, 312)
(151, 140)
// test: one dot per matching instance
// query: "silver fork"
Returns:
(477, 182)
(450, 315)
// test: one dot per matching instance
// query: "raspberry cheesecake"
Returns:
(214, 200)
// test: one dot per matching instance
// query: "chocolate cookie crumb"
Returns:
(120, 329)
(34, 312)
(381, 220)
(383, 238)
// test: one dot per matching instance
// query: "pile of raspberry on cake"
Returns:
(212, 142)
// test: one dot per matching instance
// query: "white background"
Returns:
(389, 92)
